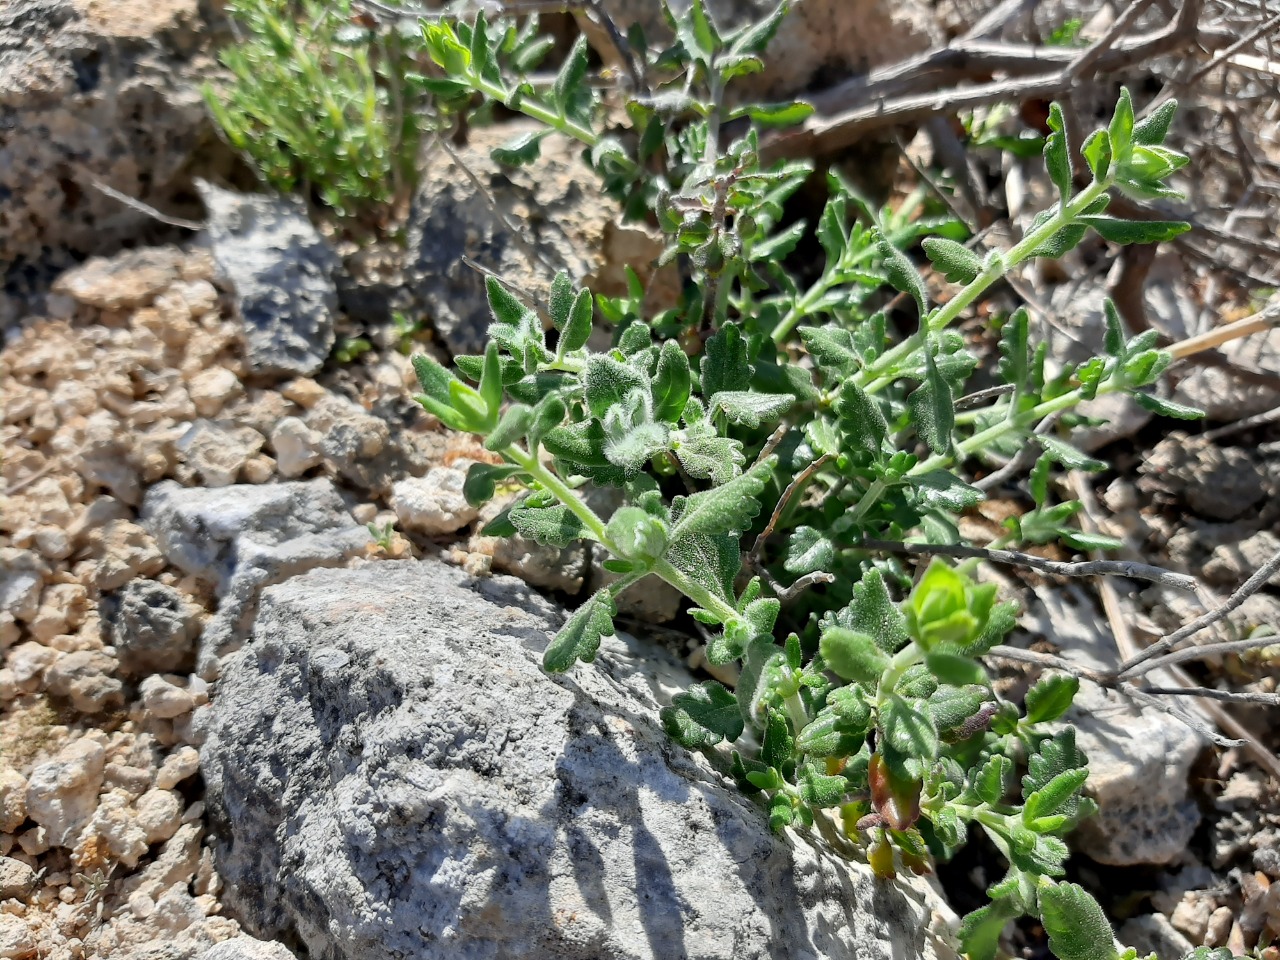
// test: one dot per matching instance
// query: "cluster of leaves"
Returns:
(711, 416)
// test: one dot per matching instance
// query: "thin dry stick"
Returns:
(1202, 651)
(1023, 458)
(150, 211)
(1231, 696)
(1108, 40)
(797, 481)
(1082, 568)
(1164, 644)
(1226, 54)
(1262, 320)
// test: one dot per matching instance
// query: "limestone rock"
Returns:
(121, 550)
(217, 451)
(13, 800)
(62, 793)
(164, 700)
(22, 576)
(282, 273)
(86, 678)
(122, 282)
(17, 880)
(105, 92)
(244, 537)
(391, 774)
(1139, 760)
(564, 223)
(153, 627)
(16, 941)
(297, 447)
(433, 504)
(247, 948)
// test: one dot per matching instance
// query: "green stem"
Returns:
(875, 376)
(902, 661)
(531, 465)
(694, 591)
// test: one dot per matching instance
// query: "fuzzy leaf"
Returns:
(607, 382)
(832, 348)
(578, 328)
(808, 551)
(953, 260)
(1015, 350)
(514, 424)
(724, 362)
(1077, 927)
(561, 300)
(1152, 129)
(570, 78)
(903, 275)
(749, 409)
(672, 383)
(554, 526)
(579, 638)
(1167, 408)
(943, 490)
(932, 408)
(520, 151)
(708, 457)
(1050, 697)
(1057, 153)
(703, 715)
(726, 509)
(852, 655)
(908, 729)
(1136, 231)
(860, 418)
(482, 480)
(992, 780)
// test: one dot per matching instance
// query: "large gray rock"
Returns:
(244, 537)
(1140, 759)
(391, 774)
(98, 93)
(281, 270)
(523, 224)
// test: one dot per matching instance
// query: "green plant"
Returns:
(766, 432)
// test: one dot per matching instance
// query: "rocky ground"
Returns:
(178, 438)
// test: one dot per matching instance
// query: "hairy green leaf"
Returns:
(702, 716)
(1077, 927)
(579, 638)
(726, 509)
(953, 260)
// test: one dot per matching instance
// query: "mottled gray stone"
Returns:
(244, 537)
(247, 948)
(152, 626)
(281, 270)
(391, 774)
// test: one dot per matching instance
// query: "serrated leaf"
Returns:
(1076, 925)
(808, 551)
(702, 716)
(852, 655)
(1167, 408)
(555, 526)
(778, 745)
(1050, 697)
(903, 275)
(993, 779)
(1067, 455)
(1114, 340)
(872, 611)
(908, 729)
(860, 418)
(956, 262)
(945, 491)
(1054, 755)
(1136, 231)
(932, 408)
(607, 382)
(709, 457)
(724, 362)
(713, 562)
(578, 329)
(819, 789)
(579, 638)
(832, 348)
(1015, 350)
(980, 930)
(672, 383)
(726, 509)
(749, 409)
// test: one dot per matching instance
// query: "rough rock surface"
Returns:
(1139, 760)
(97, 91)
(152, 626)
(392, 774)
(818, 38)
(563, 224)
(244, 537)
(282, 273)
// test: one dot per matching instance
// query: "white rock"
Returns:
(212, 389)
(29, 661)
(62, 793)
(247, 948)
(159, 814)
(164, 700)
(217, 451)
(433, 504)
(85, 677)
(21, 578)
(298, 448)
(178, 766)
(13, 800)
(16, 939)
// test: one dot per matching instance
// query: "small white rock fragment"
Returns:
(164, 700)
(212, 389)
(62, 793)
(297, 447)
(16, 940)
(13, 800)
(433, 504)
(178, 766)
(159, 814)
